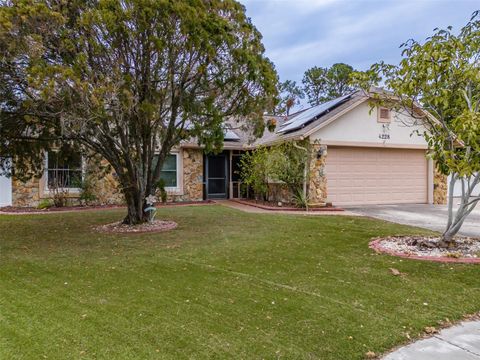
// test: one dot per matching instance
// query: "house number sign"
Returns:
(385, 134)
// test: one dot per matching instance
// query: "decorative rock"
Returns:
(426, 248)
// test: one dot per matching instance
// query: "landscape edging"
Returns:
(375, 245)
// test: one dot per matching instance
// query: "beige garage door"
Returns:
(358, 176)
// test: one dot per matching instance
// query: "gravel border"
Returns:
(119, 228)
(377, 246)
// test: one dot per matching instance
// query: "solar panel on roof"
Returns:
(230, 135)
(311, 114)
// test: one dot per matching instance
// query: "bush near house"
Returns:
(282, 166)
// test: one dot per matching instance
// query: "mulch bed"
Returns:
(285, 207)
(119, 228)
(33, 210)
(465, 249)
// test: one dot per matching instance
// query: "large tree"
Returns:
(323, 84)
(127, 80)
(438, 83)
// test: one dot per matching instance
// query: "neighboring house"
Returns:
(363, 156)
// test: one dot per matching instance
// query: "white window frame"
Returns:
(176, 189)
(45, 176)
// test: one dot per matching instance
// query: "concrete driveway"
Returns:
(433, 217)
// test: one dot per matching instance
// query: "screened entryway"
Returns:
(221, 174)
(216, 176)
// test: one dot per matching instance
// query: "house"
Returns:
(364, 155)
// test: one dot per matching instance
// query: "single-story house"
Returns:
(363, 156)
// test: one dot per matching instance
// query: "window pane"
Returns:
(64, 168)
(61, 178)
(64, 160)
(170, 178)
(169, 170)
(170, 163)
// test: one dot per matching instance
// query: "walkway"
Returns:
(256, 210)
(461, 342)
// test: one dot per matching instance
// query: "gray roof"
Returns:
(294, 127)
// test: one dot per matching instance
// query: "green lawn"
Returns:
(224, 284)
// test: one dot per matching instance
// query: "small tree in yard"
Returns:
(438, 84)
(127, 80)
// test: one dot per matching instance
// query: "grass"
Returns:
(224, 284)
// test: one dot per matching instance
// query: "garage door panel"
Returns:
(376, 176)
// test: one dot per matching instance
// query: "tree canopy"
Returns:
(128, 80)
(323, 84)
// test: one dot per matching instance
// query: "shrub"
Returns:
(255, 171)
(60, 198)
(161, 190)
(87, 191)
(288, 162)
(300, 199)
(44, 204)
(284, 163)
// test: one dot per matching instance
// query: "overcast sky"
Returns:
(299, 34)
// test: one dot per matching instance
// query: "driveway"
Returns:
(433, 217)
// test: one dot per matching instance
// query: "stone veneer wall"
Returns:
(440, 188)
(192, 164)
(317, 186)
(107, 189)
(31, 192)
(105, 186)
(26, 194)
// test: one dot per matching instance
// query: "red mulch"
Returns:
(274, 207)
(27, 210)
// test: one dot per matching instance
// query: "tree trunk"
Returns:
(447, 240)
(467, 205)
(135, 206)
